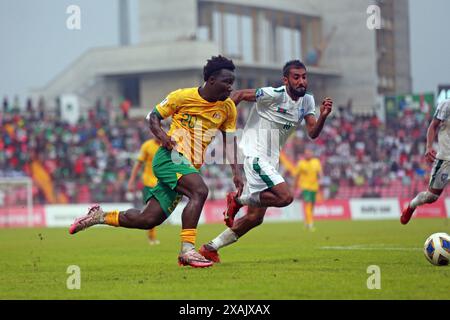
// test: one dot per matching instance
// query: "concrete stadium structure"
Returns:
(357, 64)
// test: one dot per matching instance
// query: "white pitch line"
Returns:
(365, 248)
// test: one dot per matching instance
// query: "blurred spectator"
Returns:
(5, 105)
(125, 107)
(41, 108)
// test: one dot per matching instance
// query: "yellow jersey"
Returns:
(195, 121)
(308, 173)
(146, 154)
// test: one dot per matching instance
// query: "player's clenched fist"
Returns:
(168, 143)
(430, 155)
(326, 107)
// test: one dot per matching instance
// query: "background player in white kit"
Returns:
(441, 169)
(276, 114)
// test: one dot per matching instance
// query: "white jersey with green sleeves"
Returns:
(272, 120)
(443, 114)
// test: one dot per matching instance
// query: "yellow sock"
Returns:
(152, 234)
(188, 235)
(112, 218)
(309, 213)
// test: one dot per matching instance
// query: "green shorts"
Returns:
(309, 196)
(168, 167)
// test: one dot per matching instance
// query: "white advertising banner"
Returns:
(360, 209)
(70, 108)
(64, 215)
(293, 212)
(447, 206)
(375, 209)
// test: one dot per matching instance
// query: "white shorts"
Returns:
(439, 174)
(260, 175)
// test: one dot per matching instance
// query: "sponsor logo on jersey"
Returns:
(282, 110)
(444, 177)
(162, 103)
(302, 112)
(217, 115)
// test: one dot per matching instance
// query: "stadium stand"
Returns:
(362, 157)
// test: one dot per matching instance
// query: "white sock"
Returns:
(422, 198)
(250, 200)
(224, 239)
(186, 246)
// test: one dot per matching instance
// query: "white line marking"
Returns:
(367, 247)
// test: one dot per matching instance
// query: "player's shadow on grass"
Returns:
(251, 263)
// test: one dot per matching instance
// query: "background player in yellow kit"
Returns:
(145, 158)
(308, 173)
(197, 114)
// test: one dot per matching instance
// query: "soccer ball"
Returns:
(437, 249)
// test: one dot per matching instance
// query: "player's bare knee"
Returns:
(201, 193)
(431, 197)
(432, 200)
(149, 222)
(259, 220)
(145, 223)
(255, 219)
(286, 199)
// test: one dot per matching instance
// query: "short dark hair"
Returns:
(215, 64)
(292, 64)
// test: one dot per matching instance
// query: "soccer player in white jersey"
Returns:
(440, 125)
(273, 118)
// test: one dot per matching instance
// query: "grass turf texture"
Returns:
(274, 261)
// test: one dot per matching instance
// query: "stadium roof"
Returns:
(149, 58)
(304, 7)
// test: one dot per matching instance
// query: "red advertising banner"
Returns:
(432, 210)
(213, 211)
(273, 213)
(17, 217)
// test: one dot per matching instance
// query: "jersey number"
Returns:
(189, 120)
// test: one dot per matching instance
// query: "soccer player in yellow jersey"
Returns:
(308, 174)
(145, 158)
(197, 114)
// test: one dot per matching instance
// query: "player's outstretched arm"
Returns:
(231, 151)
(131, 182)
(243, 95)
(313, 126)
(430, 153)
(154, 121)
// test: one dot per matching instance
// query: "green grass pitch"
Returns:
(274, 261)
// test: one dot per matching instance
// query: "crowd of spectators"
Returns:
(361, 155)
(92, 160)
(88, 162)
(370, 158)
